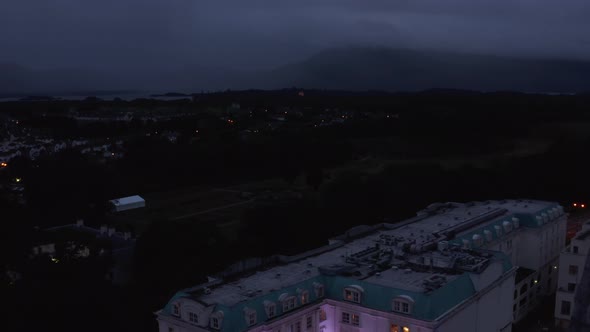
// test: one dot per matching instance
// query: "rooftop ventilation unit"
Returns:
(434, 282)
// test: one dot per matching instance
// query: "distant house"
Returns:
(80, 241)
(127, 203)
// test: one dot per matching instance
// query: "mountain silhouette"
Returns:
(411, 70)
(352, 68)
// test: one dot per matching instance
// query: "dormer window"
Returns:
(214, 323)
(488, 235)
(304, 297)
(216, 320)
(250, 316)
(319, 290)
(193, 318)
(176, 309)
(353, 294)
(289, 303)
(498, 230)
(403, 304)
(271, 309)
(477, 240)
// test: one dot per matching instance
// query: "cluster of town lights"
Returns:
(580, 205)
(3, 165)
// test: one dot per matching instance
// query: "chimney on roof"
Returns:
(80, 222)
(103, 229)
(111, 231)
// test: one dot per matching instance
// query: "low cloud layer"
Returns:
(266, 33)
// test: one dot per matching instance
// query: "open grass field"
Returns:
(222, 206)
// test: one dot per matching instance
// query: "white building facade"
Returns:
(453, 267)
(127, 203)
(571, 266)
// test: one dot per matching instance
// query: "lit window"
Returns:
(406, 329)
(304, 297)
(394, 328)
(352, 295)
(352, 319)
(193, 318)
(323, 315)
(319, 290)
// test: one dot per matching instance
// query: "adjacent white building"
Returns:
(477, 267)
(127, 203)
(571, 266)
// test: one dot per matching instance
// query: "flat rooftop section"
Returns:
(127, 200)
(374, 243)
(408, 280)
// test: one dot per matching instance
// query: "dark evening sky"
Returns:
(57, 33)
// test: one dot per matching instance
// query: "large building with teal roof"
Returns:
(453, 267)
